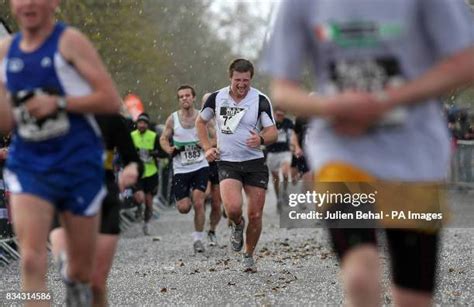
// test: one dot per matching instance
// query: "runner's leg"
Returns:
(231, 193)
(81, 245)
(256, 201)
(32, 219)
(216, 201)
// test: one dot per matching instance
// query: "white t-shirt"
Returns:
(368, 45)
(235, 121)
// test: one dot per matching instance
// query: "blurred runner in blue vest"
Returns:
(55, 80)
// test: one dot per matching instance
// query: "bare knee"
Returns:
(216, 206)
(184, 207)
(358, 282)
(139, 197)
(233, 211)
(199, 205)
(255, 216)
(360, 272)
(33, 262)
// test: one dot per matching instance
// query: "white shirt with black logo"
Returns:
(235, 121)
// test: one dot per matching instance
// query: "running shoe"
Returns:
(78, 294)
(211, 236)
(237, 236)
(146, 230)
(198, 246)
(248, 263)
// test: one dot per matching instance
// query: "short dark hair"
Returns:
(186, 86)
(240, 65)
(144, 117)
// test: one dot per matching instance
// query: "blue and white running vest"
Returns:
(62, 140)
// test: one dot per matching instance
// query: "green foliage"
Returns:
(151, 47)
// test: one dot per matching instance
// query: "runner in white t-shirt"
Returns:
(244, 121)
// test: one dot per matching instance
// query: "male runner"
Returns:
(116, 136)
(380, 66)
(279, 156)
(213, 184)
(244, 121)
(190, 168)
(55, 78)
(147, 144)
(299, 165)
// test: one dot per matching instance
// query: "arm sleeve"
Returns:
(265, 111)
(448, 24)
(285, 52)
(291, 126)
(208, 110)
(124, 143)
(298, 127)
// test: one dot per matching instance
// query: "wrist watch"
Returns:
(62, 103)
(262, 140)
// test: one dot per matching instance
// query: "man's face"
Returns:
(240, 83)
(186, 98)
(33, 14)
(142, 126)
(279, 115)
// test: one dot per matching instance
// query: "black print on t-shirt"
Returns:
(370, 75)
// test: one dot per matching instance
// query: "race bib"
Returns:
(144, 155)
(230, 118)
(282, 136)
(191, 154)
(36, 130)
(370, 75)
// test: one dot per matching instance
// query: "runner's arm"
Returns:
(79, 51)
(211, 128)
(165, 136)
(202, 130)
(6, 114)
(124, 143)
(296, 148)
(269, 135)
(207, 113)
(451, 73)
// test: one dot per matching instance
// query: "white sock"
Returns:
(198, 236)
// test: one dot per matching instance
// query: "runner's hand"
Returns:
(254, 140)
(3, 153)
(212, 154)
(172, 151)
(299, 152)
(354, 113)
(41, 106)
(128, 177)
